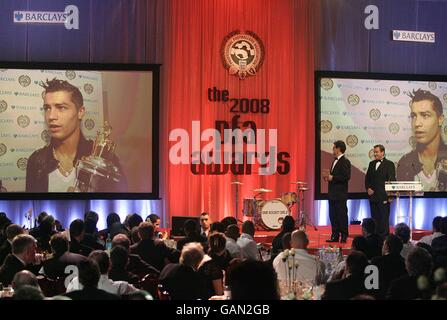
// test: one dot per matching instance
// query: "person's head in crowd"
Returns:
(4, 221)
(58, 226)
(436, 224)
(112, 218)
(135, 235)
(90, 226)
(233, 232)
(228, 221)
(368, 227)
(41, 216)
(154, 219)
(248, 227)
(392, 245)
(77, 230)
(444, 225)
(59, 244)
(24, 247)
(419, 262)
(190, 228)
(205, 221)
(146, 230)
(403, 232)
(121, 240)
(47, 226)
(12, 231)
(27, 292)
(286, 240)
(425, 246)
(426, 117)
(359, 243)
(24, 278)
(102, 259)
(288, 224)
(253, 280)
(363, 297)
(119, 257)
(88, 273)
(192, 255)
(217, 244)
(299, 240)
(92, 215)
(134, 221)
(356, 262)
(217, 227)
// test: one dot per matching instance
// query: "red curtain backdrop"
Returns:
(192, 64)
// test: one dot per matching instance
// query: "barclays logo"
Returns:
(69, 17)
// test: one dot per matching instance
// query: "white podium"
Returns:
(405, 189)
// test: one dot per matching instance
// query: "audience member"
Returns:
(288, 225)
(205, 224)
(374, 242)
(249, 248)
(191, 230)
(119, 258)
(436, 228)
(77, 232)
(232, 234)
(11, 231)
(403, 232)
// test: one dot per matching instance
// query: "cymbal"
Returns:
(262, 190)
(298, 182)
(303, 189)
(237, 182)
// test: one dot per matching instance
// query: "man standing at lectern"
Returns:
(379, 171)
(338, 178)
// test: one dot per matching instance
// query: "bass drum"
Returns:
(273, 213)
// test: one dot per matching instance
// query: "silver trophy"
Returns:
(96, 172)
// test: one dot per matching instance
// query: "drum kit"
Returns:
(269, 214)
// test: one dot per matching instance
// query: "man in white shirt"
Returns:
(115, 287)
(307, 267)
(436, 231)
(249, 249)
(232, 234)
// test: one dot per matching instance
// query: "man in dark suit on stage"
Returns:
(379, 171)
(338, 178)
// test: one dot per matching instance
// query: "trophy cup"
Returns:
(96, 172)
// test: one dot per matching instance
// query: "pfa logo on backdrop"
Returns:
(374, 114)
(327, 83)
(394, 127)
(353, 99)
(89, 124)
(395, 91)
(21, 163)
(3, 106)
(242, 53)
(24, 81)
(88, 88)
(3, 149)
(23, 121)
(45, 135)
(352, 140)
(432, 85)
(70, 74)
(325, 126)
(371, 154)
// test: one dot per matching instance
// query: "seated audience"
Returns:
(181, 280)
(35, 231)
(119, 258)
(135, 235)
(77, 232)
(439, 246)
(374, 242)
(391, 265)
(403, 232)
(27, 292)
(46, 230)
(54, 267)
(353, 282)
(134, 220)
(288, 225)
(436, 227)
(24, 278)
(23, 256)
(216, 227)
(253, 280)
(359, 243)
(115, 287)
(418, 263)
(89, 277)
(153, 251)
(310, 269)
(192, 234)
(232, 234)
(11, 231)
(249, 248)
(91, 235)
(228, 221)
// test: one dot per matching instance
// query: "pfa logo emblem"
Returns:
(371, 154)
(432, 85)
(445, 97)
(395, 91)
(46, 136)
(88, 88)
(394, 127)
(3, 149)
(353, 99)
(242, 53)
(352, 140)
(325, 126)
(89, 124)
(21, 163)
(23, 121)
(412, 142)
(70, 74)
(3, 106)
(327, 83)
(24, 81)
(374, 114)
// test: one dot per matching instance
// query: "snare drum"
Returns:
(289, 198)
(273, 213)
